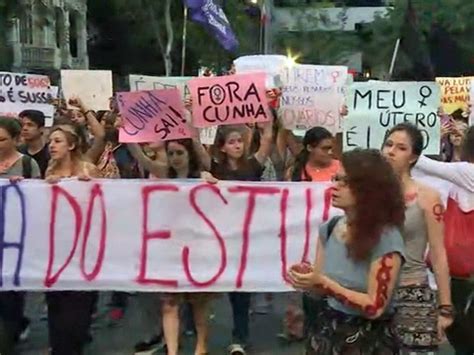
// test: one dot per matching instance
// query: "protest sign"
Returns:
(143, 82)
(178, 237)
(20, 92)
(313, 96)
(208, 135)
(151, 116)
(232, 99)
(272, 65)
(93, 87)
(375, 107)
(455, 93)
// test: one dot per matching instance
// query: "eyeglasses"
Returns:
(342, 179)
(179, 153)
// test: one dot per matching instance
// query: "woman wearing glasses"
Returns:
(69, 313)
(358, 260)
(182, 162)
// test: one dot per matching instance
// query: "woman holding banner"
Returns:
(232, 162)
(358, 260)
(420, 326)
(182, 163)
(14, 166)
(69, 313)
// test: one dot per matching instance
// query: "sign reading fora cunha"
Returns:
(227, 100)
(375, 107)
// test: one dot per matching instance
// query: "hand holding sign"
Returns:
(150, 116)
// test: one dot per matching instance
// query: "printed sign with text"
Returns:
(20, 92)
(152, 116)
(231, 99)
(313, 96)
(455, 93)
(375, 107)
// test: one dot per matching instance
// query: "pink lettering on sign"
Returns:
(231, 99)
(152, 116)
(88, 241)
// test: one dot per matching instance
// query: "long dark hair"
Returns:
(194, 170)
(468, 146)
(222, 159)
(313, 137)
(415, 135)
(379, 199)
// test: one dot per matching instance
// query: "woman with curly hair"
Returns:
(419, 325)
(358, 260)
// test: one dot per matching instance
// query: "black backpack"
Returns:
(27, 164)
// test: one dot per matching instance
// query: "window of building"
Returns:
(59, 26)
(73, 33)
(26, 27)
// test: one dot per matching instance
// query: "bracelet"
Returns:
(446, 311)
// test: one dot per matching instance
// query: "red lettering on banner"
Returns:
(96, 192)
(253, 191)
(220, 239)
(147, 236)
(307, 225)
(57, 191)
(327, 203)
(283, 234)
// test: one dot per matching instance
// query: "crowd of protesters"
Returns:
(367, 293)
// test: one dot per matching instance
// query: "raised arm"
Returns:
(266, 140)
(461, 173)
(158, 168)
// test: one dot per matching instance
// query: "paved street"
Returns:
(141, 320)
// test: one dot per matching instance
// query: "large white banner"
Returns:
(157, 236)
(19, 91)
(376, 106)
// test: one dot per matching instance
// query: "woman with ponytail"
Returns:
(315, 161)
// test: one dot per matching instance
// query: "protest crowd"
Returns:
(367, 289)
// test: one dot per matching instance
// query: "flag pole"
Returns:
(185, 35)
(394, 59)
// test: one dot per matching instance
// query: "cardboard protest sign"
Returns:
(375, 107)
(20, 92)
(272, 65)
(143, 82)
(208, 135)
(93, 87)
(160, 236)
(455, 93)
(151, 116)
(226, 100)
(313, 96)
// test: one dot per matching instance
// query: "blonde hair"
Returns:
(72, 138)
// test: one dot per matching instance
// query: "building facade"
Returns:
(48, 35)
(338, 17)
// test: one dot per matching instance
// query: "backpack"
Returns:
(27, 166)
(332, 224)
(107, 164)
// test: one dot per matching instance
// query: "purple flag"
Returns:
(212, 17)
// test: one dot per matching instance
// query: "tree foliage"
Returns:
(124, 37)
